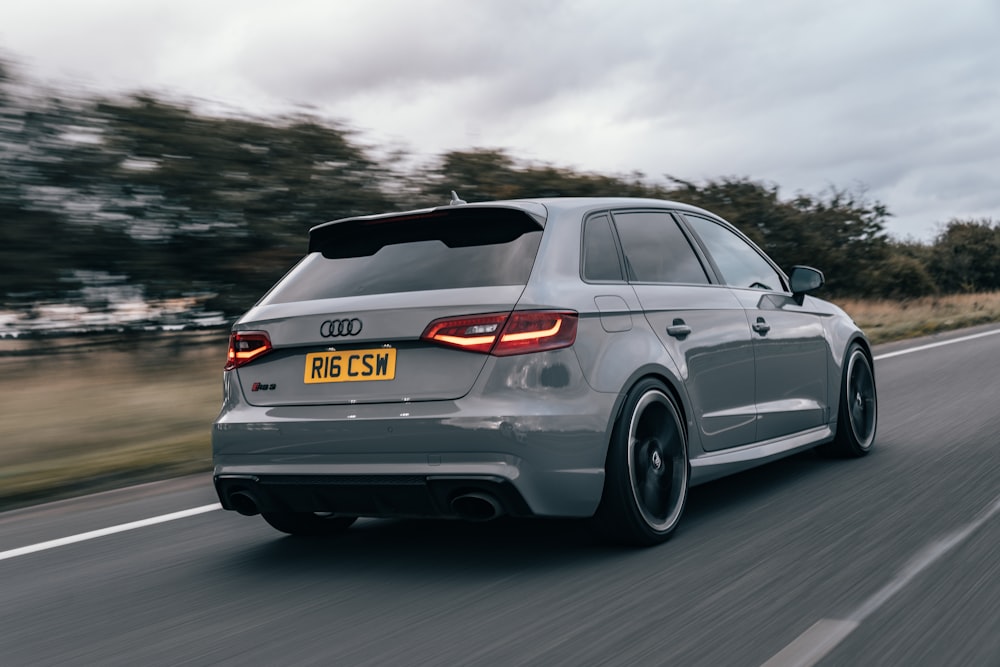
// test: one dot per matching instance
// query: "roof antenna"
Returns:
(455, 201)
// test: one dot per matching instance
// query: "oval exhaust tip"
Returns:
(476, 506)
(244, 503)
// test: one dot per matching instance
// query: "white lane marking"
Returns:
(921, 561)
(823, 636)
(81, 537)
(813, 644)
(921, 348)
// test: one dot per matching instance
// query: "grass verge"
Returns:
(93, 414)
(886, 321)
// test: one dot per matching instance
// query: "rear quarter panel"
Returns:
(614, 352)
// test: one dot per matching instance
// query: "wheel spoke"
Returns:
(653, 497)
(858, 417)
(641, 456)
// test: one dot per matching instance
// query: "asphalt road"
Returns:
(889, 560)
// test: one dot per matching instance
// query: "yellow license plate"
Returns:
(350, 366)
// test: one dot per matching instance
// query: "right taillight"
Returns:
(503, 334)
(245, 346)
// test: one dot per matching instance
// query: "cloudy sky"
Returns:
(900, 97)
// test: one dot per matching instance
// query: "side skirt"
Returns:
(713, 465)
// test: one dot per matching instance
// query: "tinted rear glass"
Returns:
(441, 250)
(656, 250)
(600, 256)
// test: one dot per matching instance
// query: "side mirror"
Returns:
(805, 279)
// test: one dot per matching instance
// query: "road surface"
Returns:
(889, 560)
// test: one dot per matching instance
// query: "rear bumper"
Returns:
(415, 459)
(443, 496)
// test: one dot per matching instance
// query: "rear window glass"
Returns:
(441, 250)
(600, 256)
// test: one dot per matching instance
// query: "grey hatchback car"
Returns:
(560, 357)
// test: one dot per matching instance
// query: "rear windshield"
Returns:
(440, 250)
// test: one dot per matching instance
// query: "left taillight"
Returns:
(503, 334)
(245, 346)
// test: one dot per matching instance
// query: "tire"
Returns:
(857, 417)
(647, 471)
(308, 524)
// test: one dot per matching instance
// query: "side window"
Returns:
(600, 256)
(741, 265)
(656, 250)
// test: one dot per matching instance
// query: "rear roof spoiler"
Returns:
(464, 225)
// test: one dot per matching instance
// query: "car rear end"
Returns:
(403, 368)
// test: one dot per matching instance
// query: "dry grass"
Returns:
(109, 415)
(886, 321)
(102, 417)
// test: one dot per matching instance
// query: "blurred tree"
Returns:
(966, 256)
(166, 199)
(228, 201)
(36, 243)
(845, 234)
(901, 276)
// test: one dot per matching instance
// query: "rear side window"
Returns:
(439, 250)
(656, 250)
(600, 256)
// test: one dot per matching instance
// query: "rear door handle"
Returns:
(678, 329)
(761, 326)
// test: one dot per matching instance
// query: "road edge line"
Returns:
(111, 530)
(928, 346)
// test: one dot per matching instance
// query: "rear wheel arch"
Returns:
(669, 382)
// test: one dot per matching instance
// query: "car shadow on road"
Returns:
(501, 544)
(735, 493)
(510, 545)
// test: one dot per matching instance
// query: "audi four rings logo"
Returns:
(337, 328)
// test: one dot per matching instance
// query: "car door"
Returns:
(790, 348)
(702, 326)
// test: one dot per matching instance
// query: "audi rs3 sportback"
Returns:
(562, 357)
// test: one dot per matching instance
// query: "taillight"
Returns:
(245, 346)
(501, 335)
(476, 333)
(534, 331)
